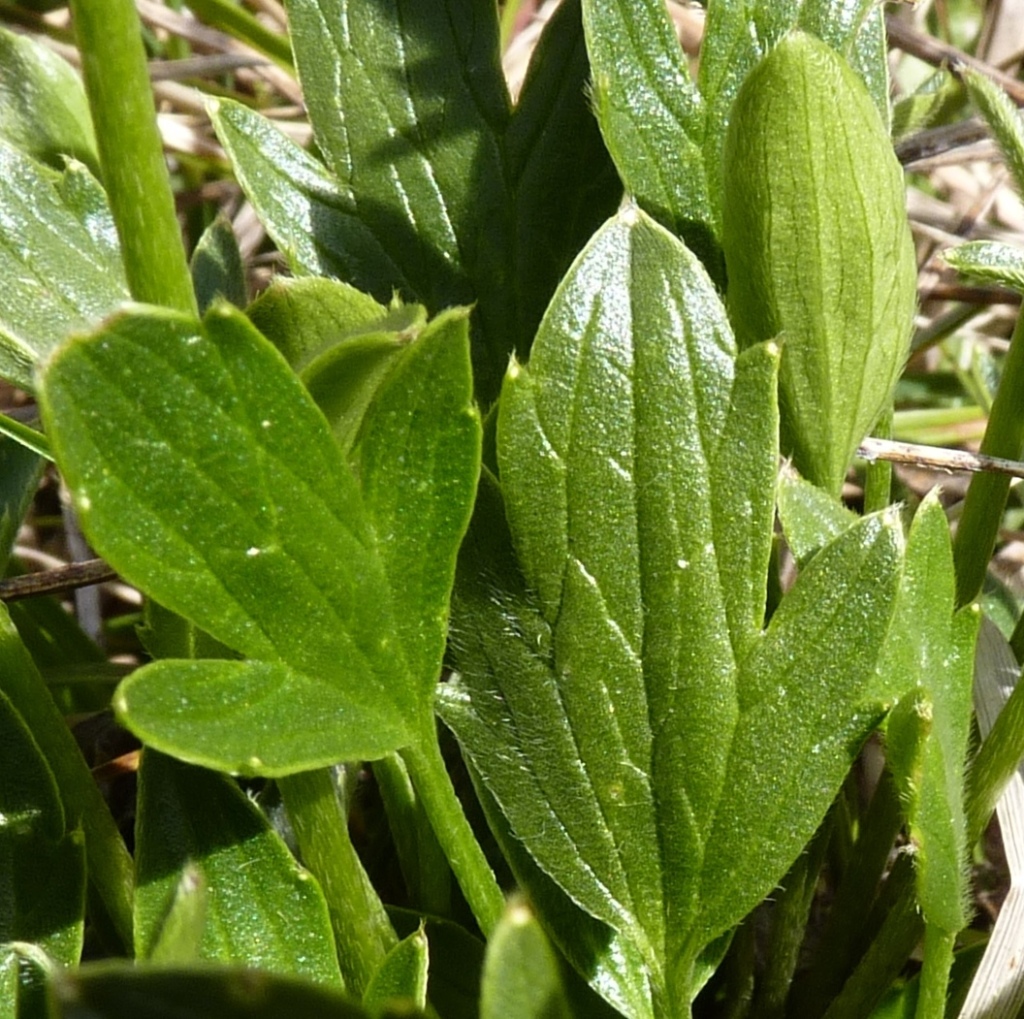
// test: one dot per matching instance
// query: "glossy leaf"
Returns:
(43, 109)
(59, 275)
(310, 216)
(931, 650)
(156, 405)
(25, 972)
(261, 909)
(818, 248)
(521, 972)
(117, 991)
(418, 459)
(566, 182)
(653, 118)
(42, 861)
(411, 126)
(401, 980)
(638, 462)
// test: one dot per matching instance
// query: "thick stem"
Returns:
(986, 496)
(362, 930)
(131, 154)
(434, 787)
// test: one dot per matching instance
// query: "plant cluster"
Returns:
(543, 438)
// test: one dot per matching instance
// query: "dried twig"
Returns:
(937, 458)
(64, 578)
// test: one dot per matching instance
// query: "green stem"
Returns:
(994, 764)
(934, 979)
(986, 496)
(131, 153)
(362, 930)
(878, 475)
(424, 865)
(434, 787)
(111, 872)
(237, 22)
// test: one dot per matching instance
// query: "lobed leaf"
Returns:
(202, 470)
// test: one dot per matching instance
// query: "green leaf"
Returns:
(401, 980)
(418, 459)
(43, 109)
(25, 972)
(302, 317)
(411, 125)
(178, 932)
(927, 104)
(42, 862)
(637, 457)
(989, 262)
(216, 266)
(810, 517)
(653, 118)
(1002, 117)
(110, 867)
(58, 274)
(931, 651)
(566, 183)
(20, 471)
(262, 909)
(309, 214)
(818, 248)
(117, 990)
(521, 972)
(156, 405)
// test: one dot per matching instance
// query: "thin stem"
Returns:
(434, 787)
(228, 16)
(131, 154)
(934, 980)
(986, 496)
(878, 474)
(424, 866)
(362, 930)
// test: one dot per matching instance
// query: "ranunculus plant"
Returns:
(511, 455)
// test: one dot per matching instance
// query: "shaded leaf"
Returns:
(262, 909)
(412, 129)
(42, 862)
(217, 270)
(120, 991)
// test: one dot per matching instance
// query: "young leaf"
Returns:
(989, 262)
(810, 517)
(216, 266)
(203, 471)
(521, 973)
(818, 248)
(310, 216)
(412, 127)
(58, 276)
(653, 119)
(401, 980)
(43, 109)
(262, 910)
(42, 863)
(931, 650)
(418, 458)
(1002, 118)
